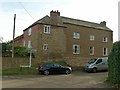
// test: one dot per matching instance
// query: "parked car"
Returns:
(97, 64)
(52, 68)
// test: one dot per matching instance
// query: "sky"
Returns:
(29, 11)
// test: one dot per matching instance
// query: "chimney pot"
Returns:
(103, 23)
(55, 13)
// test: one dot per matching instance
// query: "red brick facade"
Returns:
(19, 40)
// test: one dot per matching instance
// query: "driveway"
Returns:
(74, 80)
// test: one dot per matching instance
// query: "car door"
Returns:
(62, 69)
(99, 64)
(56, 68)
(50, 68)
(105, 64)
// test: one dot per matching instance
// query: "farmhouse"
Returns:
(76, 41)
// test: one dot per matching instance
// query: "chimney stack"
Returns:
(57, 13)
(54, 16)
(103, 23)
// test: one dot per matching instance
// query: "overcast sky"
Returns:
(29, 11)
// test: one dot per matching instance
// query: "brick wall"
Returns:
(85, 42)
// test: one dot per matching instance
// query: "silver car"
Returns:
(97, 64)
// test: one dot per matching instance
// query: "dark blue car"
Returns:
(52, 68)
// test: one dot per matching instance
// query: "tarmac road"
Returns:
(74, 80)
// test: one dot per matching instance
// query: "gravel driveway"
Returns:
(74, 80)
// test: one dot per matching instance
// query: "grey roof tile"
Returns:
(84, 23)
(62, 20)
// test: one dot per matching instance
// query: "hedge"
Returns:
(114, 64)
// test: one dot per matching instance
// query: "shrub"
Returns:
(20, 51)
(114, 64)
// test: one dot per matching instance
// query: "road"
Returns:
(74, 80)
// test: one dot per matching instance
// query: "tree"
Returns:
(114, 64)
(6, 49)
(20, 51)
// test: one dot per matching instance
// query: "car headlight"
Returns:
(70, 68)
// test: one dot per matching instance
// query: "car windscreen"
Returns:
(92, 61)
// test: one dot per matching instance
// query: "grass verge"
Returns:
(32, 70)
(20, 71)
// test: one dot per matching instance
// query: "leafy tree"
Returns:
(20, 51)
(6, 48)
(114, 64)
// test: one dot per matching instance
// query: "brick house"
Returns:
(74, 40)
(19, 40)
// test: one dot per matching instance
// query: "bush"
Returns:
(114, 64)
(20, 51)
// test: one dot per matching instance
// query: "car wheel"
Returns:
(94, 70)
(46, 72)
(67, 71)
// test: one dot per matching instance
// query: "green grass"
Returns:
(20, 71)
(32, 70)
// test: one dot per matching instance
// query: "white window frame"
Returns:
(105, 51)
(29, 44)
(92, 37)
(47, 29)
(91, 50)
(45, 47)
(24, 43)
(76, 35)
(105, 39)
(78, 51)
(29, 31)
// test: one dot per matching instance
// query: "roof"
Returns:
(19, 37)
(62, 20)
(84, 23)
(44, 20)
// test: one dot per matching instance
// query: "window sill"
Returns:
(76, 38)
(76, 53)
(105, 55)
(46, 33)
(104, 41)
(91, 54)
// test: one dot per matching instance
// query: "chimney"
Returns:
(54, 16)
(103, 23)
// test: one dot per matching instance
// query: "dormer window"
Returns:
(47, 29)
